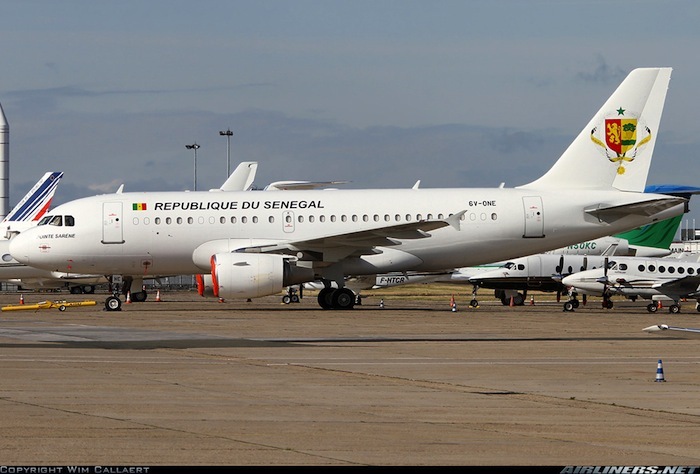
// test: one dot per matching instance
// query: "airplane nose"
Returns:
(19, 249)
(568, 280)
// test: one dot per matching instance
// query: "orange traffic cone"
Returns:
(221, 300)
(128, 297)
(660, 305)
(158, 296)
(532, 301)
(21, 299)
(512, 303)
(453, 305)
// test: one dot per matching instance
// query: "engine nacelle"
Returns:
(205, 286)
(250, 275)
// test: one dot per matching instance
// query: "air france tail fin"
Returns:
(36, 202)
(614, 150)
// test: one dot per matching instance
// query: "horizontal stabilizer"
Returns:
(645, 208)
(298, 185)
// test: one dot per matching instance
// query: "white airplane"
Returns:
(256, 244)
(671, 278)
(24, 215)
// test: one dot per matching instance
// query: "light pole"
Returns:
(227, 134)
(194, 147)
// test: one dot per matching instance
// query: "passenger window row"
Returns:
(664, 269)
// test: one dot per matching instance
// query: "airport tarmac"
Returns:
(192, 381)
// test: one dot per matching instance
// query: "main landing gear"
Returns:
(674, 308)
(336, 298)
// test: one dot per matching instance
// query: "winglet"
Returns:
(242, 177)
(454, 219)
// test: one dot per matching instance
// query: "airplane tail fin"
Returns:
(242, 177)
(657, 236)
(614, 150)
(36, 202)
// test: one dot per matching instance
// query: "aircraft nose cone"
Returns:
(568, 280)
(19, 249)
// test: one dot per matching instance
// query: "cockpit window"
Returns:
(57, 220)
(509, 265)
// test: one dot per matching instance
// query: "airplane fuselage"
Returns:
(178, 232)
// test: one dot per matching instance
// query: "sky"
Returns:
(379, 93)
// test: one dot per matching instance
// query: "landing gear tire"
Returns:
(61, 308)
(607, 304)
(75, 290)
(139, 297)
(286, 299)
(343, 298)
(474, 303)
(518, 300)
(652, 308)
(674, 309)
(113, 303)
(295, 298)
(569, 306)
(324, 298)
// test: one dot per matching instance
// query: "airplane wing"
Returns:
(686, 286)
(646, 208)
(666, 330)
(296, 185)
(338, 246)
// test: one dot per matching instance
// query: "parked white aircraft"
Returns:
(255, 244)
(671, 278)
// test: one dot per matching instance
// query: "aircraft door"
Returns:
(534, 217)
(288, 221)
(112, 225)
(534, 266)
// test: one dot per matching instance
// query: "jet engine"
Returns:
(205, 286)
(251, 275)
